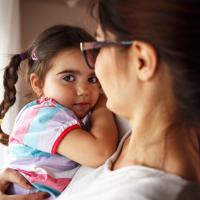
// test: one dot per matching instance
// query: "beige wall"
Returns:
(37, 15)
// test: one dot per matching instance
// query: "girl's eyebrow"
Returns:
(69, 71)
(74, 72)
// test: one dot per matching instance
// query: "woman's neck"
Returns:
(155, 143)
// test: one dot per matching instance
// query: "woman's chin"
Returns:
(112, 107)
(117, 108)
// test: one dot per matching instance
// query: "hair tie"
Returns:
(33, 55)
(23, 56)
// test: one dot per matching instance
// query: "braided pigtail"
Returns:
(9, 80)
(3, 137)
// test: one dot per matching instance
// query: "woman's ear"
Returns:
(146, 60)
(36, 84)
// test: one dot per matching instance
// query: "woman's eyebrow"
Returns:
(96, 35)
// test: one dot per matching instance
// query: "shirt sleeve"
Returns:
(48, 127)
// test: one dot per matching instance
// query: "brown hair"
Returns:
(46, 45)
(173, 28)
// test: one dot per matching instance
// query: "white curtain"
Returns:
(10, 43)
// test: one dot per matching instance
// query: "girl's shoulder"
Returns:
(45, 108)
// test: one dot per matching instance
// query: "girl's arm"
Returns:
(8, 176)
(92, 149)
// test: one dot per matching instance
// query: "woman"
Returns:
(147, 61)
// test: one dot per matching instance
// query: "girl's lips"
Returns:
(82, 105)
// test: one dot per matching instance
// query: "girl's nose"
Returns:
(82, 89)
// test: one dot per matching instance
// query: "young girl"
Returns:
(49, 140)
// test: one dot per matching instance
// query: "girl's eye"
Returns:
(69, 78)
(93, 79)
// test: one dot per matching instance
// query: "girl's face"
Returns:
(71, 83)
(115, 75)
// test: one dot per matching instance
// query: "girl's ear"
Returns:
(36, 84)
(146, 60)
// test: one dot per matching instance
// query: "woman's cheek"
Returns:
(100, 66)
(96, 68)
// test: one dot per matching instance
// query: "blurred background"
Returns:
(20, 22)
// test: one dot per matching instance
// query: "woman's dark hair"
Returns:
(47, 44)
(173, 28)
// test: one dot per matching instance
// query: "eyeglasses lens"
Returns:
(91, 56)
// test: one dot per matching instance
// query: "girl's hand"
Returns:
(92, 148)
(8, 176)
(101, 102)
